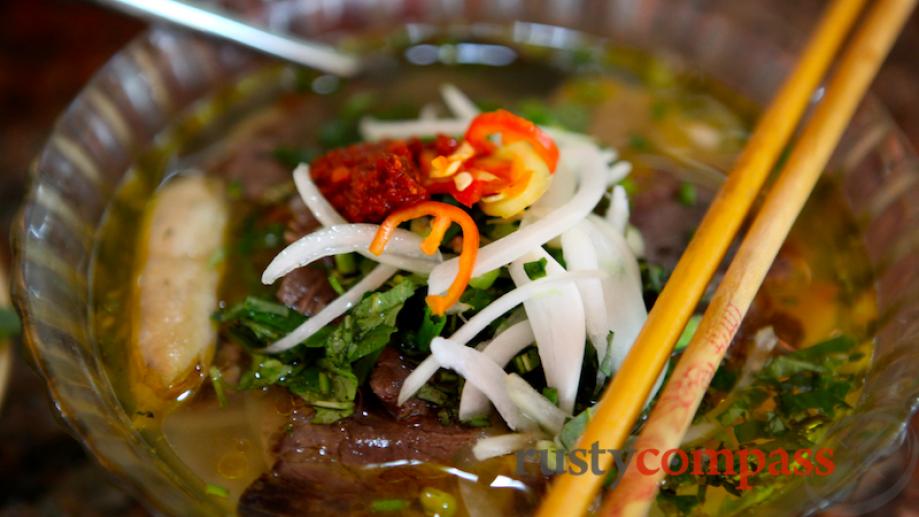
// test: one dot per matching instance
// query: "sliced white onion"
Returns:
(618, 171)
(485, 374)
(618, 213)
(592, 176)
(457, 102)
(501, 445)
(403, 251)
(622, 291)
(483, 318)
(374, 130)
(580, 255)
(371, 282)
(501, 350)
(558, 323)
(320, 207)
(533, 405)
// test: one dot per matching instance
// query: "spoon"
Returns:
(219, 23)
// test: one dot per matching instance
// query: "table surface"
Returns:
(46, 55)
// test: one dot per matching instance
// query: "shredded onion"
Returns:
(580, 255)
(622, 291)
(478, 369)
(372, 281)
(374, 130)
(494, 446)
(533, 405)
(403, 252)
(618, 213)
(458, 103)
(592, 170)
(557, 320)
(482, 319)
(320, 207)
(501, 350)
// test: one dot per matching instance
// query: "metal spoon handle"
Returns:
(224, 25)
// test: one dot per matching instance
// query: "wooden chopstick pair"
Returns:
(624, 399)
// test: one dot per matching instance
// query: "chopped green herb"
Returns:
(639, 143)
(485, 281)
(526, 361)
(9, 323)
(345, 264)
(291, 158)
(574, 428)
(431, 327)
(688, 332)
(328, 367)
(217, 258)
(217, 383)
(336, 284)
(437, 502)
(216, 490)
(478, 421)
(551, 394)
(536, 269)
(606, 363)
(235, 190)
(686, 194)
(389, 505)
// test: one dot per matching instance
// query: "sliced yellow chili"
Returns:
(443, 215)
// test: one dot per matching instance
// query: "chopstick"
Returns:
(682, 395)
(624, 398)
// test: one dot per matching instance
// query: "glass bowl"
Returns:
(135, 98)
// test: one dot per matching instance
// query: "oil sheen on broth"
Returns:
(680, 132)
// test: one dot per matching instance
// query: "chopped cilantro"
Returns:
(217, 383)
(388, 505)
(485, 281)
(688, 332)
(687, 195)
(9, 323)
(536, 269)
(291, 157)
(327, 368)
(551, 394)
(216, 490)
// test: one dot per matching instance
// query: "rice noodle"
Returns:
(618, 214)
(482, 319)
(501, 445)
(501, 350)
(558, 323)
(478, 369)
(403, 251)
(458, 103)
(592, 176)
(371, 282)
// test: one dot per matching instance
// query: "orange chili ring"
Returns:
(444, 215)
(512, 129)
